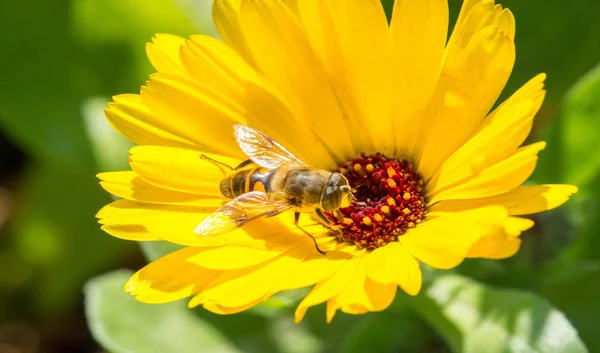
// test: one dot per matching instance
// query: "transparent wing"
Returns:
(239, 211)
(263, 150)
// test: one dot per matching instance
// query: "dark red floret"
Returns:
(389, 199)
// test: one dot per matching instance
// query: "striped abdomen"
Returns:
(245, 180)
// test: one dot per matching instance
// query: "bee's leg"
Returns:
(219, 165)
(322, 217)
(296, 218)
(326, 222)
(338, 215)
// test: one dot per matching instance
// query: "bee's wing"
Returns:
(263, 150)
(239, 211)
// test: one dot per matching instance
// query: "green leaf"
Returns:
(580, 130)
(575, 289)
(574, 159)
(388, 331)
(476, 318)
(121, 324)
(62, 56)
(156, 249)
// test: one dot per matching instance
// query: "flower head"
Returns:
(405, 115)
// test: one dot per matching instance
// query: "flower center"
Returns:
(389, 199)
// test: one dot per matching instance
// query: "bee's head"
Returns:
(337, 193)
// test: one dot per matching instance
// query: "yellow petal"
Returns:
(130, 117)
(313, 269)
(226, 16)
(285, 57)
(476, 15)
(418, 34)
(223, 310)
(502, 243)
(520, 201)
(471, 81)
(130, 186)
(179, 170)
(498, 136)
(239, 287)
(445, 241)
(514, 226)
(156, 282)
(245, 255)
(196, 111)
(393, 264)
(354, 60)
(210, 61)
(329, 287)
(497, 179)
(163, 53)
(361, 295)
(145, 222)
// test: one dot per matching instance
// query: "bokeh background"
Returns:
(62, 60)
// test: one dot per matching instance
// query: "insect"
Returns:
(273, 180)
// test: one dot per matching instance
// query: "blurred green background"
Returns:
(62, 60)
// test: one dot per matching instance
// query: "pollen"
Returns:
(389, 200)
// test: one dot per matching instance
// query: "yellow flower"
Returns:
(398, 109)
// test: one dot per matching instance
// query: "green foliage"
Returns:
(476, 318)
(121, 324)
(62, 60)
(57, 57)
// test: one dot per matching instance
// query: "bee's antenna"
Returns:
(355, 189)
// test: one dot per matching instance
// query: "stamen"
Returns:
(388, 199)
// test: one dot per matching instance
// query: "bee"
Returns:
(273, 180)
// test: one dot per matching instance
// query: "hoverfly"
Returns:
(273, 180)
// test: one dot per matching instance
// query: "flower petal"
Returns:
(393, 264)
(497, 179)
(222, 310)
(354, 60)
(181, 101)
(285, 57)
(498, 136)
(325, 290)
(148, 222)
(476, 15)
(246, 255)
(418, 34)
(163, 53)
(445, 241)
(226, 15)
(240, 287)
(130, 186)
(155, 283)
(520, 201)
(361, 295)
(131, 117)
(213, 63)
(502, 243)
(313, 269)
(179, 170)
(471, 81)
